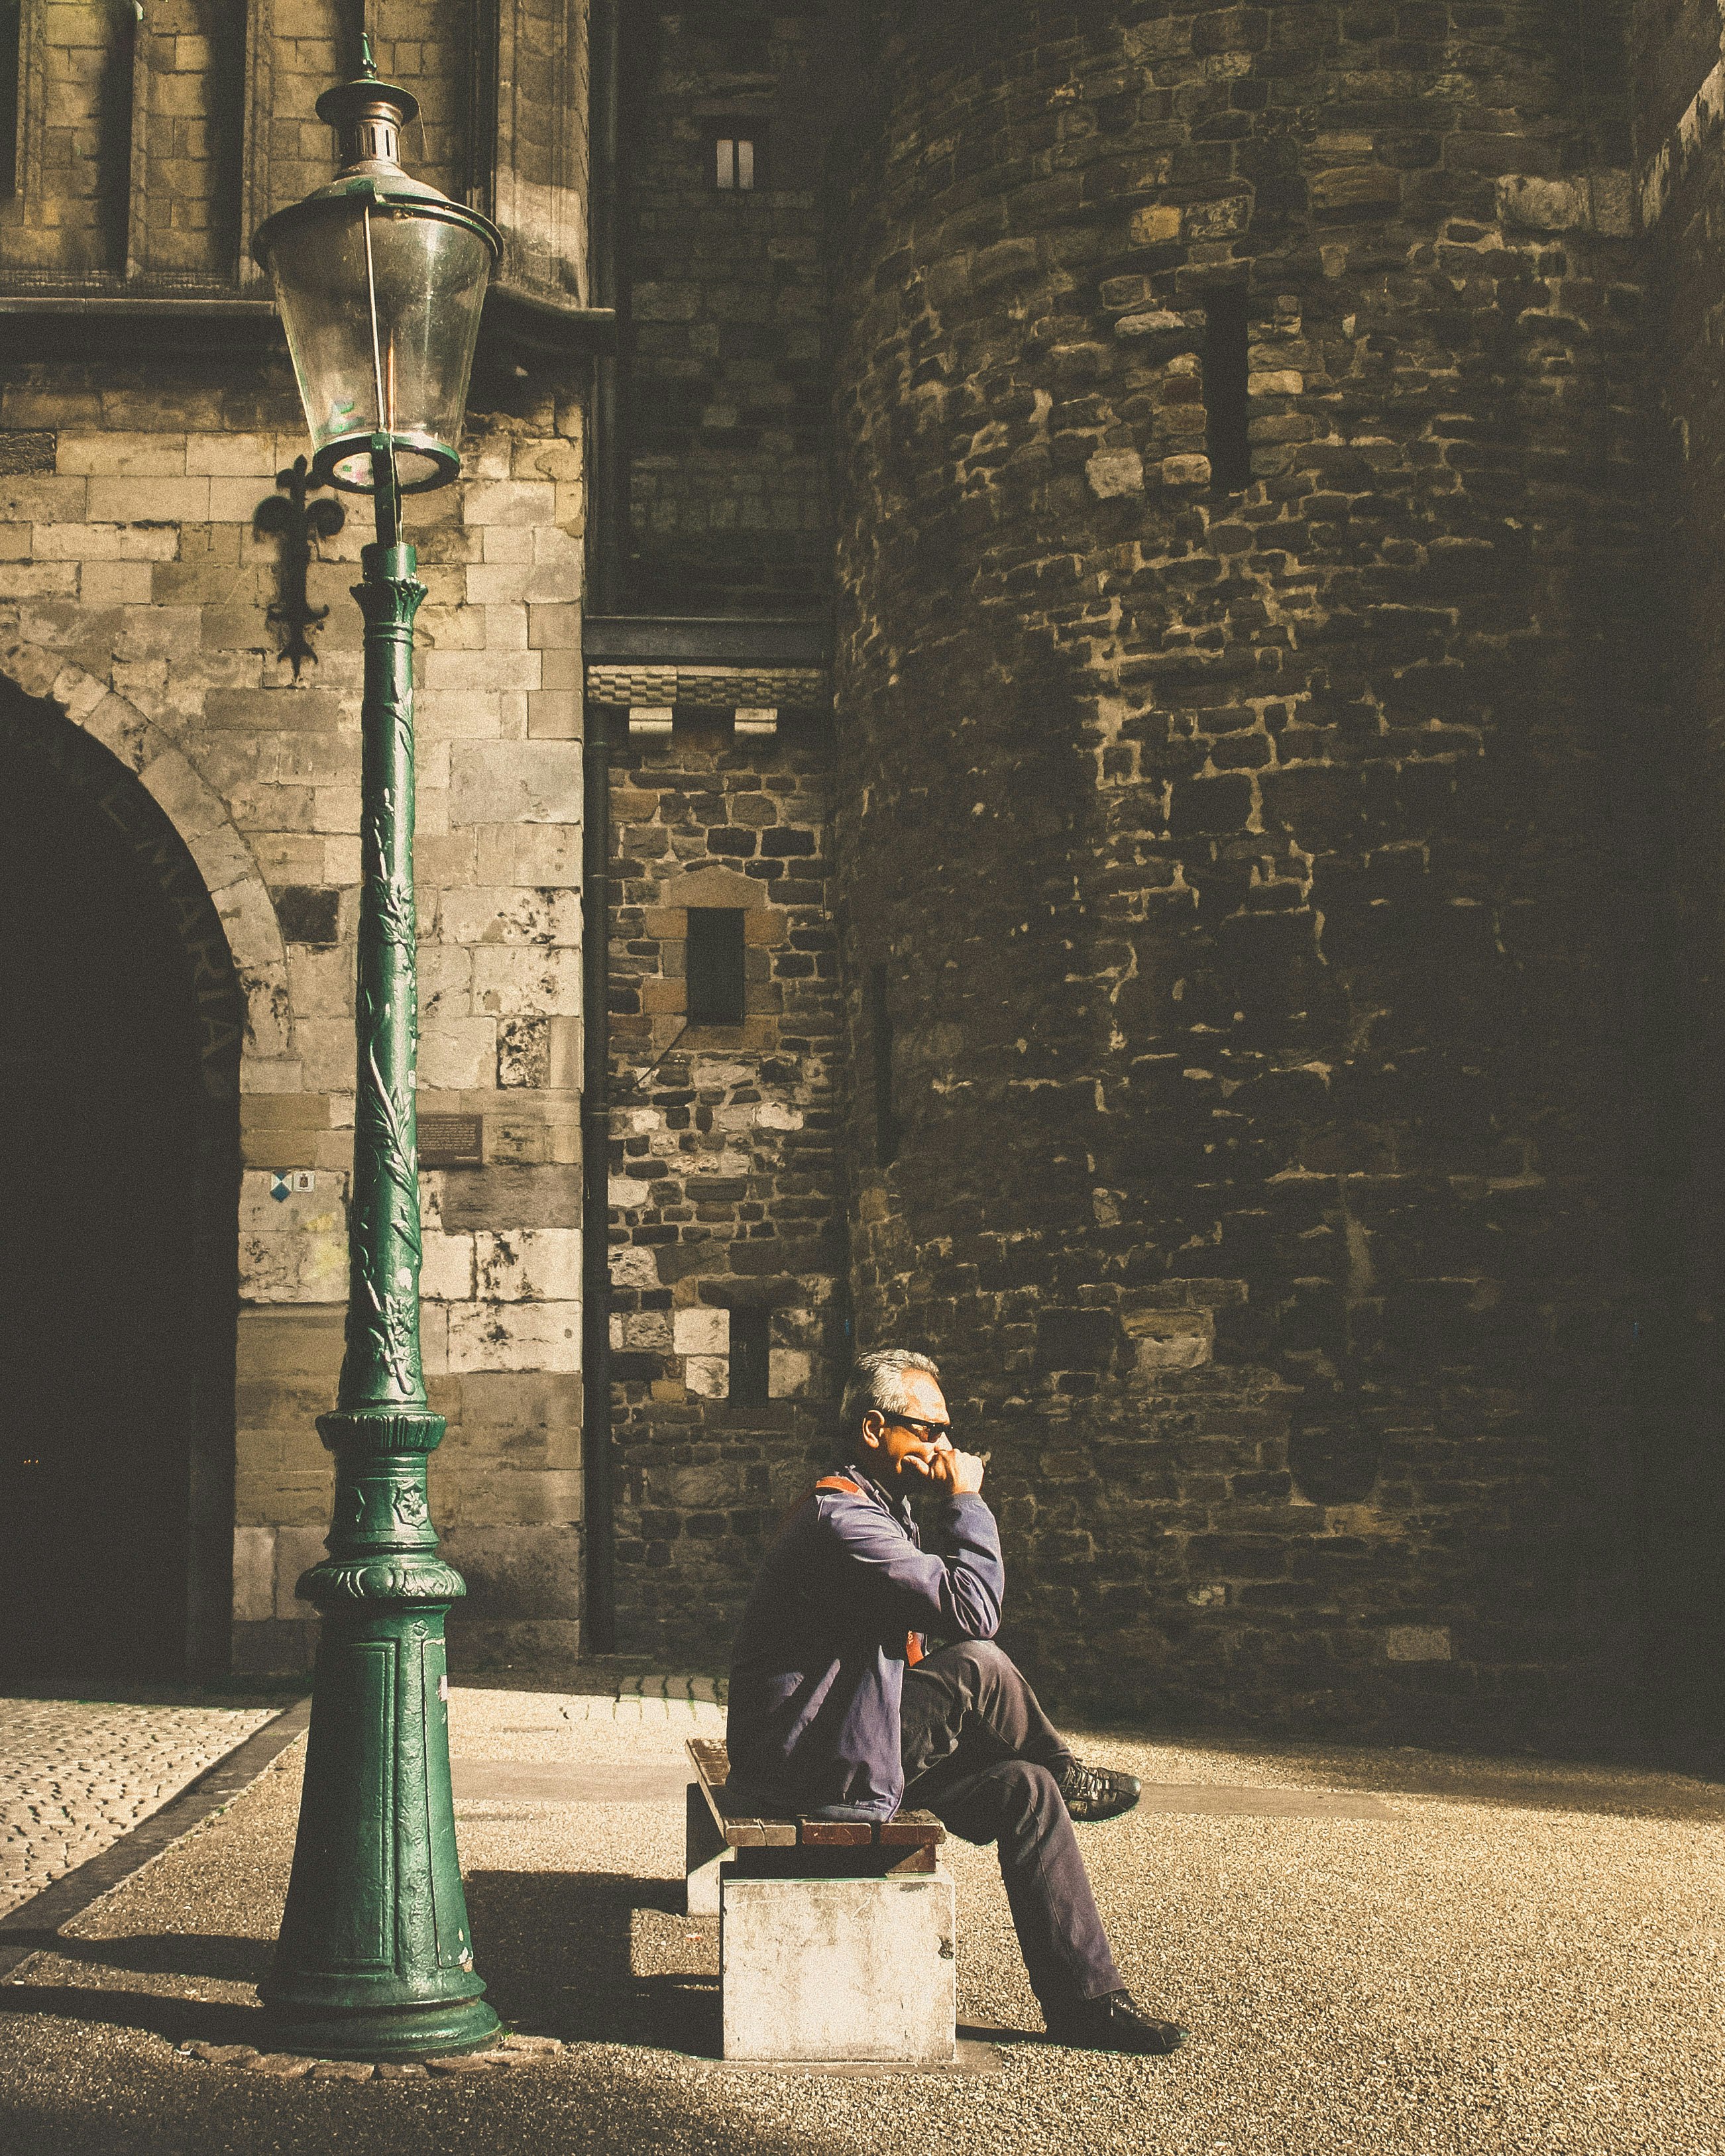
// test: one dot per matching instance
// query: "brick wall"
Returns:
(724, 1186)
(727, 392)
(1272, 1174)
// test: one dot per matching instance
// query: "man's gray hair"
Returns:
(878, 1381)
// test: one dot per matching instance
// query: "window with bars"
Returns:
(738, 156)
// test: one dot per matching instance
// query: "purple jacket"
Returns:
(818, 1670)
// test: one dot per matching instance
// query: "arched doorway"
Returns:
(119, 1027)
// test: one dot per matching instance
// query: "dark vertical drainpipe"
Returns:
(599, 1632)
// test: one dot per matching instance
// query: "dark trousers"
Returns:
(982, 1756)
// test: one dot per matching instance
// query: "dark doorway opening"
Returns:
(119, 1040)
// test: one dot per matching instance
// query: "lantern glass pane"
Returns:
(430, 277)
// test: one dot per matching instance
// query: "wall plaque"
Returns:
(451, 1140)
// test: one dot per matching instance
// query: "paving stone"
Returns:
(75, 1775)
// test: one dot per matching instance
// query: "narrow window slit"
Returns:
(749, 1367)
(716, 965)
(887, 1127)
(11, 49)
(1226, 402)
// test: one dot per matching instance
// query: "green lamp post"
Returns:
(380, 281)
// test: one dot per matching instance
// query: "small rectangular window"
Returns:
(715, 965)
(749, 1339)
(887, 1132)
(737, 163)
(1226, 402)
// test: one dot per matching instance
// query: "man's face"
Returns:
(896, 1448)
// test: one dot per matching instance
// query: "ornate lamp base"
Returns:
(379, 2036)
(375, 1959)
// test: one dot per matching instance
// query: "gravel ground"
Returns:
(1520, 1957)
(75, 1775)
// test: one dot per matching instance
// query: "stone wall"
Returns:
(724, 1185)
(1275, 1151)
(136, 587)
(1679, 78)
(727, 400)
(147, 543)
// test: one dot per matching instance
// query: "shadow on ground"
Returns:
(593, 1957)
(598, 1957)
(216, 1955)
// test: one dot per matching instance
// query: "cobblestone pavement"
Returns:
(693, 1704)
(75, 1775)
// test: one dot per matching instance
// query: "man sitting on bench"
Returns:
(841, 1709)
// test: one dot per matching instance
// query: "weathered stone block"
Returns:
(1155, 222)
(288, 709)
(254, 1574)
(1417, 1643)
(505, 1196)
(533, 1265)
(1356, 187)
(831, 1969)
(1186, 470)
(514, 1336)
(164, 500)
(701, 1332)
(514, 981)
(118, 452)
(515, 782)
(1112, 473)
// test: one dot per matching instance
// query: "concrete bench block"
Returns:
(827, 1970)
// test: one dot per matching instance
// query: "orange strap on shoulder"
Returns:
(826, 1482)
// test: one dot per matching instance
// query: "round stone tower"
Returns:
(1237, 635)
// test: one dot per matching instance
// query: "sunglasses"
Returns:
(931, 1433)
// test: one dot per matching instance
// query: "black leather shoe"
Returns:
(1115, 2023)
(1092, 1793)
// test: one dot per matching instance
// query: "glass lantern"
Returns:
(380, 281)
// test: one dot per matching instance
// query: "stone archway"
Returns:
(121, 1024)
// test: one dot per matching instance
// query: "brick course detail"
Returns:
(725, 1193)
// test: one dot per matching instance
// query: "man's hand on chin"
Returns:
(958, 1473)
